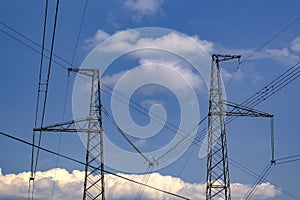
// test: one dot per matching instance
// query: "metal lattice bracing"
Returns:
(218, 182)
(94, 187)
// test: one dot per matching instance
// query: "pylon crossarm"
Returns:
(240, 110)
(78, 125)
(86, 72)
(222, 57)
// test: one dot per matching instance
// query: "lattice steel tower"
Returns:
(218, 182)
(94, 187)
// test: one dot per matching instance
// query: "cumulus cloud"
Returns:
(283, 55)
(147, 49)
(170, 50)
(148, 67)
(99, 36)
(143, 7)
(173, 41)
(296, 44)
(70, 186)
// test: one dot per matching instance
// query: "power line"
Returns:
(271, 39)
(288, 159)
(37, 104)
(79, 31)
(68, 81)
(30, 41)
(32, 178)
(288, 81)
(170, 126)
(124, 135)
(82, 163)
(60, 135)
(269, 90)
(261, 47)
(39, 82)
(250, 100)
(62, 66)
(255, 175)
(47, 79)
(259, 180)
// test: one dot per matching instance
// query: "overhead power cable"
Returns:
(259, 180)
(255, 175)
(261, 47)
(32, 170)
(47, 82)
(79, 31)
(83, 163)
(271, 39)
(269, 90)
(34, 46)
(143, 110)
(67, 89)
(288, 81)
(125, 135)
(36, 157)
(288, 159)
(39, 83)
(250, 100)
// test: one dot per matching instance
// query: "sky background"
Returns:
(237, 27)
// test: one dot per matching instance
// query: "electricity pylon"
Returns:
(218, 180)
(94, 187)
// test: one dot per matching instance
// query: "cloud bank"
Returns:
(69, 186)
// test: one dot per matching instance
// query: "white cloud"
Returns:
(143, 7)
(99, 36)
(283, 55)
(237, 75)
(70, 186)
(152, 49)
(148, 67)
(122, 41)
(295, 46)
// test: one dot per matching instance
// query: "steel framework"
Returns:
(94, 186)
(218, 180)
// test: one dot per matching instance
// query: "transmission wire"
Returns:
(60, 65)
(60, 135)
(125, 135)
(46, 91)
(30, 47)
(83, 163)
(261, 47)
(31, 179)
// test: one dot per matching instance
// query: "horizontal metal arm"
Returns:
(78, 125)
(239, 110)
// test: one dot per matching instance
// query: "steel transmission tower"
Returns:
(218, 180)
(94, 187)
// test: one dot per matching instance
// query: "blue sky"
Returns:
(233, 27)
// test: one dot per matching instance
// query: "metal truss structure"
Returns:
(94, 186)
(218, 180)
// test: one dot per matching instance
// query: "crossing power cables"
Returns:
(273, 87)
(35, 157)
(82, 163)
